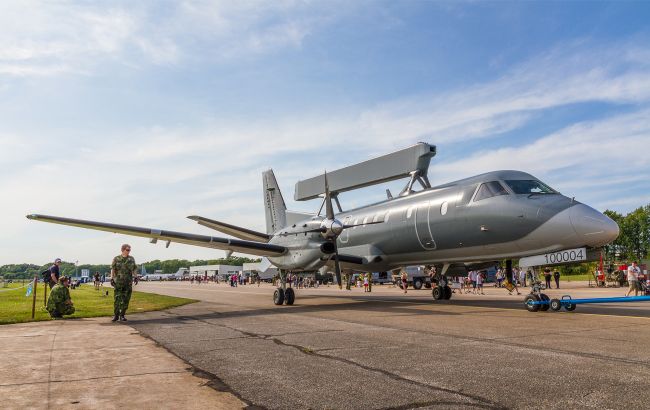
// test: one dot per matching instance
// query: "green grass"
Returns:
(15, 307)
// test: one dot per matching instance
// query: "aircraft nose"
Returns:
(595, 228)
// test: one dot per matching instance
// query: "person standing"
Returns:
(405, 280)
(633, 272)
(123, 269)
(59, 302)
(369, 281)
(556, 276)
(365, 283)
(479, 283)
(547, 277)
(522, 277)
(54, 273)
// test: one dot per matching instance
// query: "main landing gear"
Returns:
(442, 290)
(283, 294)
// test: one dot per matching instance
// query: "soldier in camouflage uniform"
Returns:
(59, 303)
(123, 269)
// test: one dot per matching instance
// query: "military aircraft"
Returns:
(465, 224)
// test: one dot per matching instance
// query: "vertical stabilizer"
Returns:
(273, 203)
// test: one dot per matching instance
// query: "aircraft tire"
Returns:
(417, 283)
(544, 298)
(438, 293)
(278, 296)
(556, 305)
(447, 292)
(530, 307)
(289, 296)
(570, 307)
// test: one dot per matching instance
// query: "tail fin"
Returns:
(276, 217)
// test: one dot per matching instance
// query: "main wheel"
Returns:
(438, 293)
(417, 283)
(570, 307)
(447, 292)
(529, 300)
(556, 305)
(289, 296)
(544, 298)
(278, 296)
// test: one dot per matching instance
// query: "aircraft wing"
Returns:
(235, 245)
(228, 229)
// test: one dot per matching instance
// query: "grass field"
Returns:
(15, 307)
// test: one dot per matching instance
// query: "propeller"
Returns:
(330, 228)
(333, 229)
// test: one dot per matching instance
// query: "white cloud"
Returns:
(42, 38)
(157, 176)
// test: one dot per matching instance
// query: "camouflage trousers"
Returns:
(61, 309)
(122, 298)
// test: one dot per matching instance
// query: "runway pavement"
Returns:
(348, 350)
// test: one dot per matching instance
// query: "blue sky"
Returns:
(145, 113)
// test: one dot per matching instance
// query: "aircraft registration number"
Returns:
(571, 255)
(566, 256)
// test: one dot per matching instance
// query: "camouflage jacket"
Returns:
(123, 267)
(59, 295)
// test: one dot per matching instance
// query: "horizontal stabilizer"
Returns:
(225, 244)
(228, 229)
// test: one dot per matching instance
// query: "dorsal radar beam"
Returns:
(412, 162)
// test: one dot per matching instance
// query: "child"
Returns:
(479, 282)
(365, 283)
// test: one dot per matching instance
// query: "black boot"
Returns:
(115, 318)
(122, 318)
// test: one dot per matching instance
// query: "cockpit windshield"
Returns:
(529, 187)
(489, 189)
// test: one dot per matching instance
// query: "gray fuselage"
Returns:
(450, 224)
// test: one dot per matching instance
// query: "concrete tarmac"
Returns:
(349, 350)
(96, 364)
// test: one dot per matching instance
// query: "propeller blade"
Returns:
(320, 230)
(329, 209)
(361, 224)
(337, 265)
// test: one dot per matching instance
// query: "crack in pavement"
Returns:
(481, 401)
(504, 342)
(90, 378)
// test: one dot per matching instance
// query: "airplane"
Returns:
(458, 226)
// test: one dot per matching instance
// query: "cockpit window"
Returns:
(490, 189)
(529, 187)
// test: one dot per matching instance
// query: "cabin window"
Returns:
(408, 212)
(365, 220)
(443, 208)
(529, 187)
(490, 189)
(387, 216)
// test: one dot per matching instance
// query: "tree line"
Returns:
(633, 243)
(28, 270)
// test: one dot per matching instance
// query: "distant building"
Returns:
(254, 268)
(211, 270)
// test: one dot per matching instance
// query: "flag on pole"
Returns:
(29, 290)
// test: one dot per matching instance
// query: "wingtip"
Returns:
(31, 216)
(194, 217)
